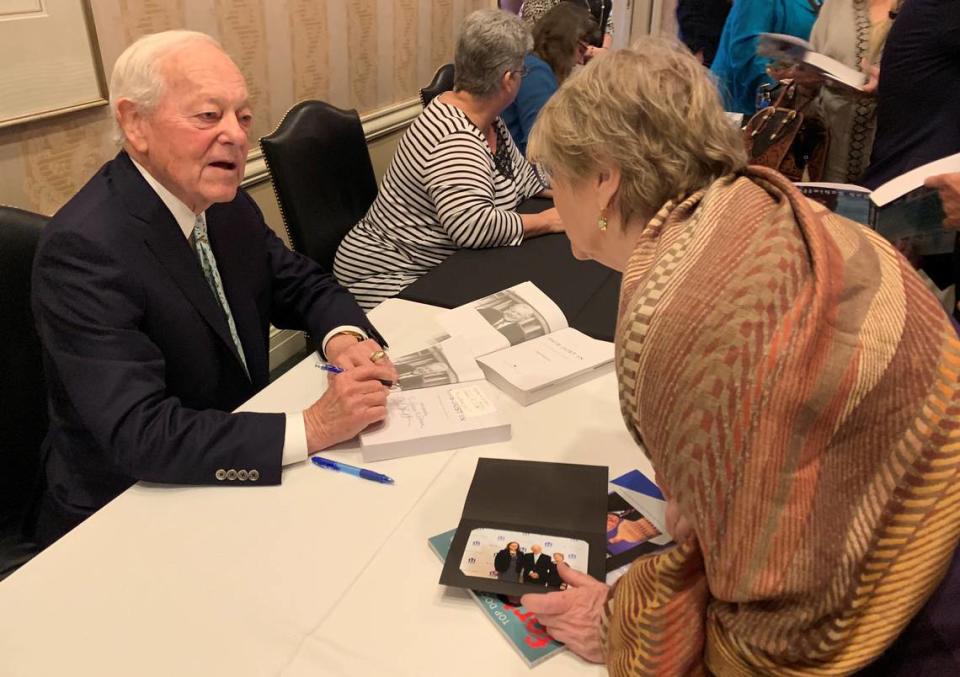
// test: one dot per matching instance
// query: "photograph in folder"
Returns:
(546, 509)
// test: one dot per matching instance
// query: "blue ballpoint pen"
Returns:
(351, 470)
(334, 369)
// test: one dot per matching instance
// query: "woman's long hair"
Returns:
(558, 34)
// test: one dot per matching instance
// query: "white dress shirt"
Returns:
(295, 434)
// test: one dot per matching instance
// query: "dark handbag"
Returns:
(783, 137)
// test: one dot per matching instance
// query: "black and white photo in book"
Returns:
(520, 557)
(513, 317)
(424, 369)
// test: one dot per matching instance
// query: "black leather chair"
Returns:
(442, 82)
(23, 413)
(322, 176)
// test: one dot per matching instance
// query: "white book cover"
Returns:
(912, 180)
(504, 319)
(532, 368)
(436, 419)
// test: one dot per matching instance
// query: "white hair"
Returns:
(136, 74)
(490, 41)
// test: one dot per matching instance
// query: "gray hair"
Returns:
(491, 41)
(136, 74)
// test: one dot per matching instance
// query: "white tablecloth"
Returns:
(323, 575)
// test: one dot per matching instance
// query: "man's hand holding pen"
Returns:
(355, 398)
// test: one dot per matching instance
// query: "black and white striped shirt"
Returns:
(442, 192)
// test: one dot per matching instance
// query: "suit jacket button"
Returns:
(254, 475)
(231, 474)
(242, 475)
(221, 474)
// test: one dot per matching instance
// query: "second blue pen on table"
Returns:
(362, 473)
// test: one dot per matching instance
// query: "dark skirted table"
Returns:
(586, 292)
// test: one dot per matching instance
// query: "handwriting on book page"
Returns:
(418, 410)
(409, 412)
(471, 402)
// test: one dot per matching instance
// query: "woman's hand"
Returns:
(677, 525)
(547, 221)
(873, 76)
(573, 615)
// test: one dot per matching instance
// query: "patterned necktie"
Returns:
(209, 265)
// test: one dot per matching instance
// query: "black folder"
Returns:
(556, 499)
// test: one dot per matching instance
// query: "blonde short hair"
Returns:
(653, 112)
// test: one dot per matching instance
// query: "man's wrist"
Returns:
(343, 337)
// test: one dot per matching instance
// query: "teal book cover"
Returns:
(515, 623)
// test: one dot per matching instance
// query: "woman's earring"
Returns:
(602, 221)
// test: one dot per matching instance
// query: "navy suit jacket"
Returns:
(139, 363)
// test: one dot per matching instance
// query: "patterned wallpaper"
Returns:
(363, 54)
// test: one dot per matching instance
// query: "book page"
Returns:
(434, 411)
(549, 359)
(836, 71)
(504, 319)
(782, 47)
(450, 361)
(792, 50)
(905, 183)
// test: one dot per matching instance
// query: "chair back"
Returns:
(442, 82)
(322, 176)
(23, 412)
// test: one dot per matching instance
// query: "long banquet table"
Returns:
(322, 575)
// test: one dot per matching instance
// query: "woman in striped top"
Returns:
(456, 178)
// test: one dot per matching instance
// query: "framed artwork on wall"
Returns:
(49, 60)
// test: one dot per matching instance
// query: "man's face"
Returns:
(536, 550)
(194, 141)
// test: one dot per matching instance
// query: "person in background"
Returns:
(853, 32)
(918, 110)
(507, 563)
(738, 67)
(154, 289)
(456, 178)
(602, 10)
(553, 579)
(802, 419)
(560, 40)
(701, 24)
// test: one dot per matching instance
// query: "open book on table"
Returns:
(902, 208)
(520, 341)
(793, 50)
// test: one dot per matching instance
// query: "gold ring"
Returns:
(377, 355)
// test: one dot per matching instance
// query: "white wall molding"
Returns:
(376, 124)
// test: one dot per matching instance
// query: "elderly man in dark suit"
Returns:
(153, 291)
(535, 566)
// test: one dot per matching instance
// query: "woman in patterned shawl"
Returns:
(791, 380)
